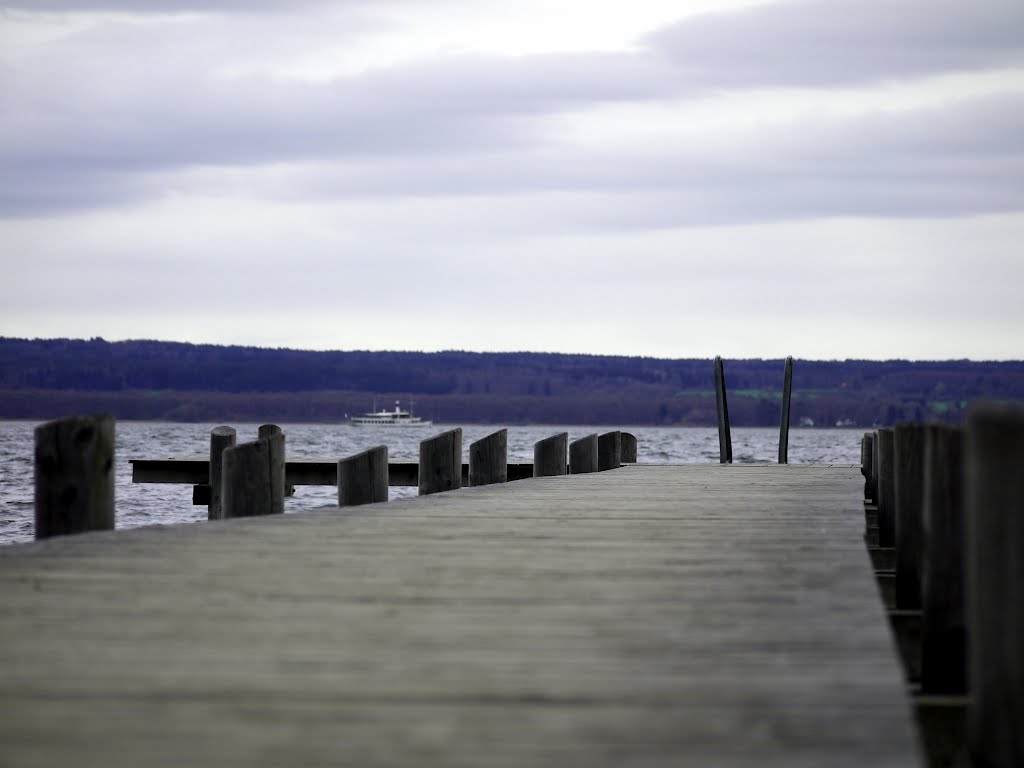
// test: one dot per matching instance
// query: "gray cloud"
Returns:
(142, 7)
(814, 43)
(119, 113)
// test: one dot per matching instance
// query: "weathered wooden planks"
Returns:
(699, 615)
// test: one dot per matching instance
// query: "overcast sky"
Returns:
(679, 178)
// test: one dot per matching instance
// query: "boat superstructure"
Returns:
(395, 418)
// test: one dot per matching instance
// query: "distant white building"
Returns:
(806, 421)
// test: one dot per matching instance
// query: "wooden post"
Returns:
(248, 485)
(441, 463)
(886, 489)
(994, 512)
(908, 447)
(549, 455)
(787, 394)
(363, 478)
(867, 449)
(722, 403)
(74, 475)
(583, 455)
(609, 451)
(628, 448)
(220, 438)
(488, 459)
(944, 632)
(273, 434)
(874, 467)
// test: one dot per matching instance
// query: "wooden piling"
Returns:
(722, 404)
(628, 447)
(787, 394)
(488, 459)
(220, 438)
(943, 644)
(994, 512)
(583, 455)
(874, 468)
(74, 475)
(248, 487)
(886, 489)
(363, 478)
(908, 450)
(441, 463)
(274, 434)
(549, 455)
(609, 451)
(867, 464)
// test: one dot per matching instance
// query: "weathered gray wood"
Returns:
(886, 489)
(908, 447)
(654, 616)
(363, 478)
(441, 463)
(550, 455)
(609, 451)
(248, 488)
(220, 438)
(944, 649)
(787, 395)
(74, 478)
(628, 443)
(273, 433)
(488, 459)
(994, 498)
(583, 455)
(722, 405)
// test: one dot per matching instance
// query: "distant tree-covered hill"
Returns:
(46, 378)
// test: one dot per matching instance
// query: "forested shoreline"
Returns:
(169, 381)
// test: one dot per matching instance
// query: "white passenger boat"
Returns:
(395, 418)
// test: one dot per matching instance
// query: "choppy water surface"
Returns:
(150, 503)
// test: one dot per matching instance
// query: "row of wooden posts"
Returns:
(363, 477)
(945, 527)
(722, 408)
(74, 478)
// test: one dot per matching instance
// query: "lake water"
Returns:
(149, 504)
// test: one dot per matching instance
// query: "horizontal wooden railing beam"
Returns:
(195, 470)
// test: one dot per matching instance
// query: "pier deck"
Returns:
(648, 616)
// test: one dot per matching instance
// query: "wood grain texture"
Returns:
(583, 455)
(488, 459)
(220, 438)
(646, 616)
(363, 478)
(250, 487)
(994, 512)
(441, 463)
(550, 455)
(74, 478)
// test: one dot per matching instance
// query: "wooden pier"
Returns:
(646, 616)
